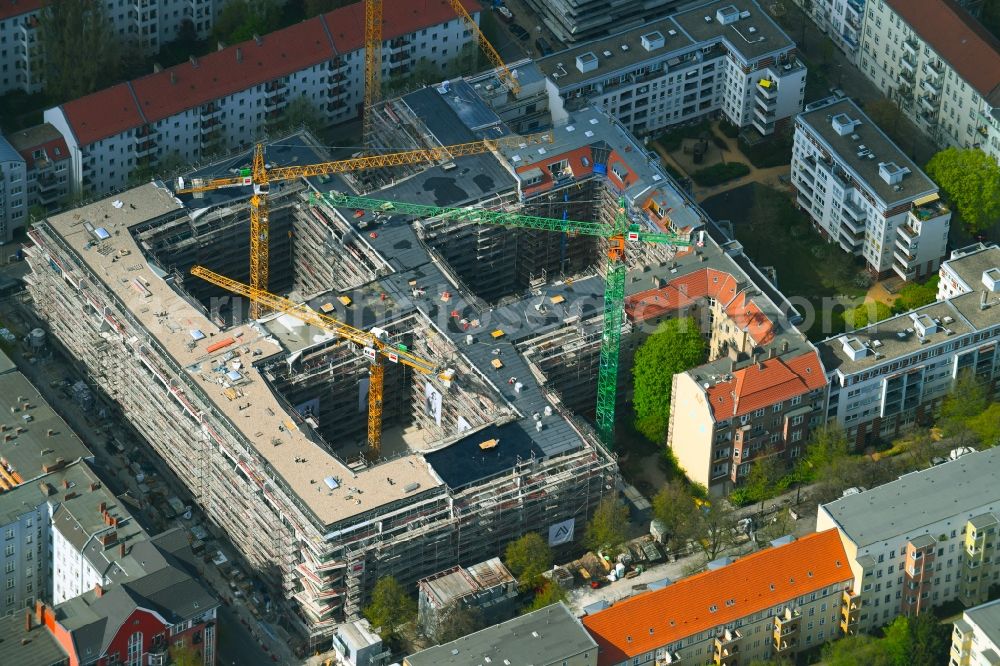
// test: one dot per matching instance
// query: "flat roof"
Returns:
(546, 636)
(45, 438)
(29, 496)
(965, 488)
(265, 420)
(846, 148)
(969, 264)
(6, 364)
(36, 646)
(987, 619)
(690, 30)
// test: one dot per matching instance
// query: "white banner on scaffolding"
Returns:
(432, 402)
(561, 533)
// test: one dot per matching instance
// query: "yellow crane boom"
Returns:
(373, 68)
(374, 343)
(484, 45)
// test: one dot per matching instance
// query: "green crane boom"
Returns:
(614, 290)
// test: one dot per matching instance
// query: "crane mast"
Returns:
(373, 69)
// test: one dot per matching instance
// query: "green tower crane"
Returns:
(617, 233)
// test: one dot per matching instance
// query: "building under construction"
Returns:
(265, 420)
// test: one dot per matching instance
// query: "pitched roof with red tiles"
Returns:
(580, 161)
(958, 38)
(12, 8)
(754, 583)
(758, 386)
(42, 137)
(162, 94)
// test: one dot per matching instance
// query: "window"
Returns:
(134, 657)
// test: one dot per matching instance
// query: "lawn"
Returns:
(774, 233)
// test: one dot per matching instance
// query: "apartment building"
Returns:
(863, 193)
(774, 603)
(922, 540)
(139, 620)
(13, 195)
(487, 587)
(29, 642)
(894, 373)
(551, 636)
(150, 23)
(972, 268)
(939, 65)
(975, 639)
(225, 99)
(573, 21)
(720, 57)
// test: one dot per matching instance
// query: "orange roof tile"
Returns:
(11, 8)
(774, 380)
(160, 95)
(614, 159)
(580, 162)
(754, 583)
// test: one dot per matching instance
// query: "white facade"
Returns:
(841, 21)
(975, 640)
(865, 195)
(334, 85)
(973, 268)
(152, 23)
(907, 65)
(656, 76)
(13, 191)
(72, 573)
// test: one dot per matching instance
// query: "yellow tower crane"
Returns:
(374, 344)
(260, 176)
(484, 45)
(373, 69)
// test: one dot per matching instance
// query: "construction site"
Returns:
(390, 364)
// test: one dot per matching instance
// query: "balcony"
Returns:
(669, 659)
(907, 64)
(930, 87)
(933, 70)
(911, 47)
(929, 210)
(210, 111)
(727, 648)
(929, 103)
(786, 630)
(767, 88)
(144, 147)
(850, 612)
(907, 234)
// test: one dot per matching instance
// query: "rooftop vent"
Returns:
(844, 125)
(708, 19)
(652, 40)
(891, 172)
(672, 32)
(727, 15)
(586, 62)
(854, 349)
(923, 324)
(991, 279)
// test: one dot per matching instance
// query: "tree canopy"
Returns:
(916, 641)
(458, 621)
(606, 529)
(914, 295)
(240, 20)
(528, 558)
(971, 181)
(390, 608)
(675, 509)
(967, 400)
(867, 313)
(676, 346)
(549, 594)
(82, 52)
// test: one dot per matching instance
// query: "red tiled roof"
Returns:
(574, 158)
(754, 583)
(162, 94)
(774, 380)
(968, 47)
(102, 114)
(55, 151)
(12, 8)
(630, 178)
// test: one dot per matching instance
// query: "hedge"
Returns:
(720, 173)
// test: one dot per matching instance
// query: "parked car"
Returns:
(505, 14)
(543, 46)
(519, 32)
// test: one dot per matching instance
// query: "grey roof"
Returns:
(34, 647)
(167, 587)
(546, 636)
(36, 135)
(6, 364)
(8, 153)
(987, 619)
(971, 262)
(690, 31)
(28, 496)
(965, 488)
(820, 122)
(33, 450)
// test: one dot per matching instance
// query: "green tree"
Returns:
(764, 475)
(675, 508)
(867, 313)
(675, 346)
(896, 644)
(780, 524)
(185, 655)
(971, 181)
(390, 608)
(930, 641)
(299, 112)
(240, 20)
(914, 295)
(550, 593)
(860, 650)
(528, 558)
(458, 621)
(826, 448)
(714, 527)
(967, 400)
(986, 425)
(317, 7)
(82, 51)
(606, 529)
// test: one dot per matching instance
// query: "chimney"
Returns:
(784, 346)
(104, 505)
(65, 483)
(92, 487)
(982, 300)
(121, 549)
(108, 538)
(39, 611)
(157, 68)
(173, 78)
(194, 61)
(98, 590)
(239, 54)
(257, 38)
(770, 352)
(50, 432)
(27, 620)
(220, 45)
